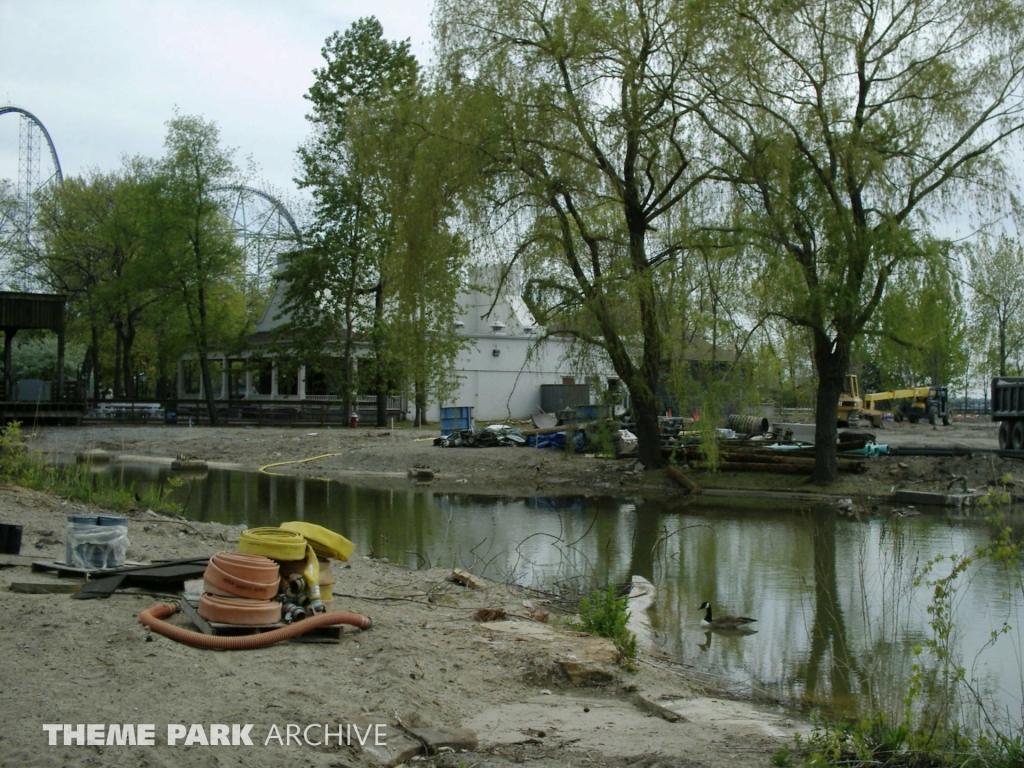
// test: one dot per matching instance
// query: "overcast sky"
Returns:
(104, 76)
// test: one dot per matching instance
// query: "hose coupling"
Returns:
(316, 606)
(290, 613)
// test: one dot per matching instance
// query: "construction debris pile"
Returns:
(503, 435)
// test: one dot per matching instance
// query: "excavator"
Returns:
(916, 403)
(850, 404)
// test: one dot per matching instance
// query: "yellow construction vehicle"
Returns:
(917, 403)
(850, 403)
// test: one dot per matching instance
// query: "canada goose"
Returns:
(723, 622)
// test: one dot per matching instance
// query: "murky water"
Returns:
(839, 612)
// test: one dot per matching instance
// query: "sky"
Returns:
(104, 76)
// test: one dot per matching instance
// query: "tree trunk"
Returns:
(420, 397)
(648, 431)
(380, 374)
(118, 389)
(211, 402)
(127, 342)
(93, 355)
(645, 408)
(832, 360)
(1002, 347)
(204, 363)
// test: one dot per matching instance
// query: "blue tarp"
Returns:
(556, 440)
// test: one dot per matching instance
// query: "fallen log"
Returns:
(684, 481)
(760, 449)
(785, 469)
(692, 454)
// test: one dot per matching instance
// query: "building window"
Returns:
(288, 379)
(320, 382)
(217, 376)
(190, 377)
(263, 377)
(237, 370)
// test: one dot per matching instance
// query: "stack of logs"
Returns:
(751, 456)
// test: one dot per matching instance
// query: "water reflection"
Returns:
(828, 630)
(838, 604)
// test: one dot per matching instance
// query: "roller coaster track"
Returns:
(53, 150)
(239, 189)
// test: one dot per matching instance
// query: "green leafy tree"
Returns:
(8, 227)
(201, 261)
(380, 265)
(93, 248)
(847, 124)
(427, 258)
(584, 152)
(997, 304)
(924, 331)
(334, 287)
(36, 358)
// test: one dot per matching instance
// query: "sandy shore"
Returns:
(526, 690)
(529, 692)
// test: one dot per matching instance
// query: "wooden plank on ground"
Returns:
(48, 588)
(10, 561)
(467, 579)
(63, 568)
(193, 615)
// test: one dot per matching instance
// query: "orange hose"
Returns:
(153, 618)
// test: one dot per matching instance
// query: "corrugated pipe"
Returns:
(747, 425)
(153, 618)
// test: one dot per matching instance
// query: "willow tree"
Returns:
(997, 305)
(919, 334)
(427, 256)
(850, 124)
(586, 152)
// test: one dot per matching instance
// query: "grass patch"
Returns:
(877, 741)
(74, 482)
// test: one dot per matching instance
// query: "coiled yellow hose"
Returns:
(325, 542)
(275, 543)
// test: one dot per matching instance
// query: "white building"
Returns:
(500, 372)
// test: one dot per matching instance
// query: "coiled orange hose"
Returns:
(153, 618)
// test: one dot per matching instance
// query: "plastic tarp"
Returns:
(871, 449)
(556, 440)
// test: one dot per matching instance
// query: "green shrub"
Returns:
(604, 615)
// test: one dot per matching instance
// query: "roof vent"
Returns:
(497, 326)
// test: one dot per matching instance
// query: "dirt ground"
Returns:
(383, 458)
(530, 693)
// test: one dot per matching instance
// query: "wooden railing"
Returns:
(239, 412)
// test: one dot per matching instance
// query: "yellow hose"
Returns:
(265, 467)
(275, 543)
(325, 542)
(283, 545)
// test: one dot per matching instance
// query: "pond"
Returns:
(839, 613)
